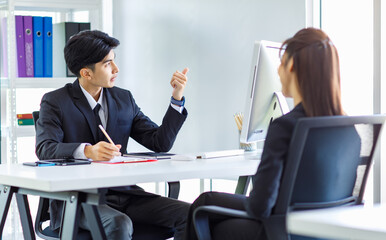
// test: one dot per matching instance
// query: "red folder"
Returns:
(24, 116)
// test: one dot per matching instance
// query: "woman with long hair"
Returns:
(309, 73)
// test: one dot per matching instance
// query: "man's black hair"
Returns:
(87, 48)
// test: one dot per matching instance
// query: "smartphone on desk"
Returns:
(66, 161)
(38, 164)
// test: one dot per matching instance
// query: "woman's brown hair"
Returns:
(316, 65)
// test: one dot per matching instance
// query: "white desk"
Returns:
(80, 184)
(356, 223)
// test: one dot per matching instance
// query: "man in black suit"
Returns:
(68, 127)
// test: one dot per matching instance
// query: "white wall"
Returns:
(214, 38)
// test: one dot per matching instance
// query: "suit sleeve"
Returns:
(49, 132)
(154, 137)
(266, 181)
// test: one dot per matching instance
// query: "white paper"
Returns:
(125, 159)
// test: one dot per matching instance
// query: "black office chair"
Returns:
(141, 231)
(328, 163)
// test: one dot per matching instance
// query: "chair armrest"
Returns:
(229, 212)
(201, 218)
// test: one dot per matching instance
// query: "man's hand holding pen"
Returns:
(178, 83)
(103, 151)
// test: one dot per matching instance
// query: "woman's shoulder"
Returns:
(283, 126)
(291, 117)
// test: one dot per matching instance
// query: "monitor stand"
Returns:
(278, 107)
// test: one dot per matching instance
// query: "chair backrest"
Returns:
(327, 168)
(327, 165)
(35, 116)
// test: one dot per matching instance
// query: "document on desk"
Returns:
(125, 159)
(207, 155)
(225, 153)
(184, 157)
(155, 155)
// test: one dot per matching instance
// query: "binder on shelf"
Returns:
(62, 33)
(28, 46)
(47, 46)
(4, 51)
(22, 122)
(58, 43)
(19, 28)
(71, 28)
(38, 46)
(24, 116)
(84, 26)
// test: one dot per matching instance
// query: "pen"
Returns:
(105, 133)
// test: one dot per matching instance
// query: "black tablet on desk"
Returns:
(57, 162)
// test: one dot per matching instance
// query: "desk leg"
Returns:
(69, 229)
(5, 201)
(25, 216)
(94, 221)
(242, 185)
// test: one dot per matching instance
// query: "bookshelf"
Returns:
(93, 11)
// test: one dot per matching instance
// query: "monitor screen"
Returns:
(265, 101)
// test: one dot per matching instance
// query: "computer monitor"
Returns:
(265, 102)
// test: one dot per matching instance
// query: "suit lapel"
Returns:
(83, 105)
(113, 111)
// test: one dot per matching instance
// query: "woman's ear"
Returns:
(290, 64)
(85, 73)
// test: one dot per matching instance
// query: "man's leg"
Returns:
(117, 225)
(160, 211)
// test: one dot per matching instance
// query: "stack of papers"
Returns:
(156, 155)
(125, 159)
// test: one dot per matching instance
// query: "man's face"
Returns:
(105, 72)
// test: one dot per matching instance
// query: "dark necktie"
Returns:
(98, 122)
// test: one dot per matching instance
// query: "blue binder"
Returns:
(38, 46)
(47, 46)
